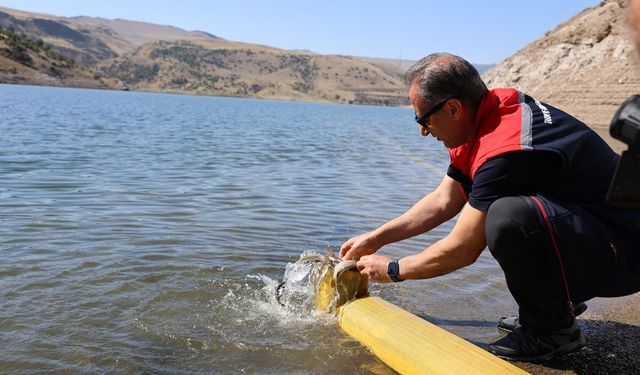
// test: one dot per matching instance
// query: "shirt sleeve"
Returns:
(511, 174)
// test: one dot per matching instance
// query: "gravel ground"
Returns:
(612, 329)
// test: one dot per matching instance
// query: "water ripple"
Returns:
(146, 233)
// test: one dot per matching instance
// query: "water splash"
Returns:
(243, 318)
(301, 280)
(252, 306)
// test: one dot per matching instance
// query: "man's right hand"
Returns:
(356, 247)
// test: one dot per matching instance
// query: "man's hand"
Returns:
(375, 267)
(358, 246)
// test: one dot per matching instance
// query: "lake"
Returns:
(145, 233)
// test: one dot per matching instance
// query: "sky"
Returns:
(483, 32)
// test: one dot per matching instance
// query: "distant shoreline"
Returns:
(616, 145)
(202, 94)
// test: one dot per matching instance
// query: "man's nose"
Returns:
(424, 131)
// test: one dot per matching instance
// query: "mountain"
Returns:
(221, 67)
(90, 40)
(138, 33)
(586, 66)
(143, 56)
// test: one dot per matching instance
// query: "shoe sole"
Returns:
(507, 329)
(565, 349)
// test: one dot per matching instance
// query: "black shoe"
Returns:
(508, 324)
(523, 344)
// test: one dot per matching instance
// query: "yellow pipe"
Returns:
(411, 345)
(406, 343)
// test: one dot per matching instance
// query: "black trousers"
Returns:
(556, 254)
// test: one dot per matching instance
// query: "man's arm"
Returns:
(459, 249)
(518, 173)
(432, 210)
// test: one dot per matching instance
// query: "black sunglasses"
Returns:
(424, 119)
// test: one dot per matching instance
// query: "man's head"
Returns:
(445, 91)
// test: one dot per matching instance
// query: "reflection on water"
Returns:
(145, 233)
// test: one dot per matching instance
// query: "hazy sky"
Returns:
(480, 31)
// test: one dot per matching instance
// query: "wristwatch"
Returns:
(393, 270)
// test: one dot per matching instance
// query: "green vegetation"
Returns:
(179, 81)
(17, 49)
(301, 68)
(131, 73)
(187, 54)
(19, 45)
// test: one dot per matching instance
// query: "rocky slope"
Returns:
(586, 66)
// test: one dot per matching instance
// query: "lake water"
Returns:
(145, 233)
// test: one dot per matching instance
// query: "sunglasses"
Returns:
(424, 119)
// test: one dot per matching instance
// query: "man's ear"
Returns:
(455, 108)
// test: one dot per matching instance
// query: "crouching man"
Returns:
(529, 182)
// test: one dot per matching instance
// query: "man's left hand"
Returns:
(375, 267)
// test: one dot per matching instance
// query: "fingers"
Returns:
(352, 254)
(344, 249)
(374, 267)
(355, 247)
(346, 254)
(365, 260)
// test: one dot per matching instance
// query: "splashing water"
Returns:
(244, 316)
(294, 309)
(302, 279)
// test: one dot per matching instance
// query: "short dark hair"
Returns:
(442, 75)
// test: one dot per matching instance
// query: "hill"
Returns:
(90, 40)
(406, 64)
(24, 60)
(586, 66)
(220, 67)
(143, 56)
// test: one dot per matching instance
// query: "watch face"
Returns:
(392, 270)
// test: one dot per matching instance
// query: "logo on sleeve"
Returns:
(545, 113)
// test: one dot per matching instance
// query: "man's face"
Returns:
(443, 124)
